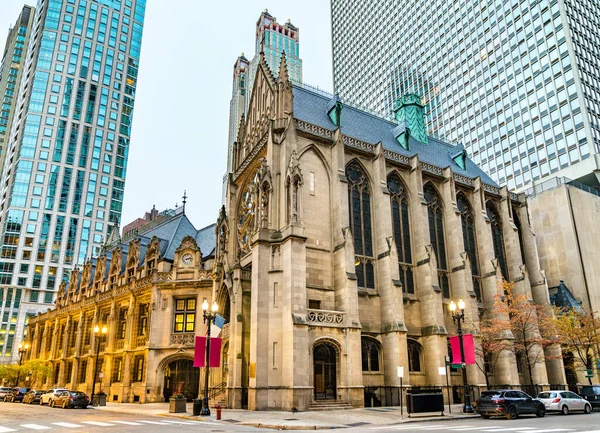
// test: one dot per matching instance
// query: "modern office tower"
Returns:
(272, 39)
(66, 159)
(13, 58)
(516, 82)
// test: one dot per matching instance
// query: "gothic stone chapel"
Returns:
(344, 238)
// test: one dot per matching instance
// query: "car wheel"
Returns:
(541, 411)
(51, 404)
(512, 412)
(564, 410)
(65, 404)
(587, 409)
(485, 416)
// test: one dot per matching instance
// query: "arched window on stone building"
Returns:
(469, 239)
(436, 235)
(415, 352)
(359, 207)
(370, 354)
(497, 236)
(517, 221)
(401, 226)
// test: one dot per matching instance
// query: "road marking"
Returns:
(153, 422)
(127, 422)
(546, 430)
(35, 426)
(67, 424)
(509, 429)
(474, 428)
(589, 431)
(458, 427)
(180, 422)
(406, 427)
(6, 429)
(98, 423)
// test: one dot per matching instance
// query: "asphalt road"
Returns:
(23, 418)
(551, 423)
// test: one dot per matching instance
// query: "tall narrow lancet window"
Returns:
(436, 235)
(497, 236)
(517, 221)
(401, 228)
(359, 205)
(469, 239)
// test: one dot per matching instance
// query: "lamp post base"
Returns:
(467, 408)
(205, 409)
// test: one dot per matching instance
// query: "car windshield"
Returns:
(77, 393)
(547, 395)
(590, 390)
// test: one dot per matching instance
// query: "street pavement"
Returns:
(153, 417)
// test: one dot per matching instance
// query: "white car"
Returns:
(3, 391)
(564, 402)
(51, 395)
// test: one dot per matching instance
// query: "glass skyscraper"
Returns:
(272, 39)
(517, 82)
(66, 156)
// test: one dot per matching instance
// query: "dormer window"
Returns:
(130, 274)
(112, 282)
(151, 265)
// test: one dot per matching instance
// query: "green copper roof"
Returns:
(410, 112)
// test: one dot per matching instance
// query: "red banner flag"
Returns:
(200, 352)
(469, 347)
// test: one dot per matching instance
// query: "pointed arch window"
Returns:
(401, 227)
(370, 354)
(517, 221)
(469, 239)
(359, 207)
(497, 236)
(414, 355)
(436, 235)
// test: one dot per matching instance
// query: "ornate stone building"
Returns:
(344, 238)
(148, 291)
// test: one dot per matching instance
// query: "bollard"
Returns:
(218, 412)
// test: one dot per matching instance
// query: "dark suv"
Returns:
(509, 403)
(16, 395)
(592, 394)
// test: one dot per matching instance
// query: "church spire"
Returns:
(184, 200)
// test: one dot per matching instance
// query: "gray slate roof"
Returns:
(312, 107)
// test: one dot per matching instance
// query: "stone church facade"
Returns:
(343, 240)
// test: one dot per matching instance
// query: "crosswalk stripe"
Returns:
(67, 424)
(550, 430)
(35, 426)
(180, 422)
(127, 422)
(98, 423)
(446, 427)
(153, 422)
(6, 429)
(473, 428)
(411, 427)
(508, 429)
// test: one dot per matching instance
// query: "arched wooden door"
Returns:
(181, 377)
(324, 375)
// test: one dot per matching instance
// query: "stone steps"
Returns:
(322, 405)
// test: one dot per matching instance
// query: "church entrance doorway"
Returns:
(181, 377)
(324, 364)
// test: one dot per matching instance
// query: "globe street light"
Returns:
(98, 333)
(22, 351)
(209, 317)
(458, 316)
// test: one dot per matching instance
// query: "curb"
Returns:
(292, 427)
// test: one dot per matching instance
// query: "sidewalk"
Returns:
(310, 420)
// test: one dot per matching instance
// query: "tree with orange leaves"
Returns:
(529, 324)
(580, 333)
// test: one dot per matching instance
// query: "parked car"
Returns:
(564, 402)
(509, 403)
(592, 394)
(3, 391)
(33, 396)
(51, 395)
(15, 395)
(68, 399)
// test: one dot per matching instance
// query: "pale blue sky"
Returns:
(180, 124)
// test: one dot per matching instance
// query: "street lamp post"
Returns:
(98, 333)
(209, 317)
(458, 317)
(22, 351)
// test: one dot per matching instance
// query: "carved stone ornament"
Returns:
(247, 215)
(188, 243)
(165, 303)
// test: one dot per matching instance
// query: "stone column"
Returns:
(236, 363)
(258, 393)
(505, 371)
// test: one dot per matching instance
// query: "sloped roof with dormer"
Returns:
(312, 107)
